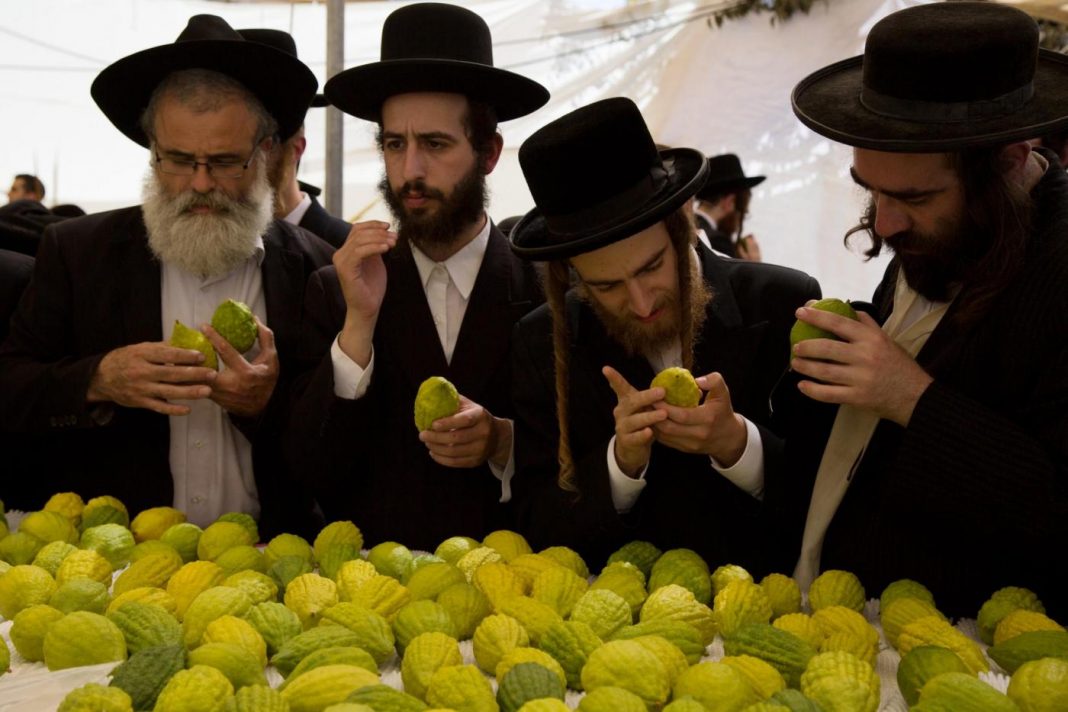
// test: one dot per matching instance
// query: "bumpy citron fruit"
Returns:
(235, 323)
(679, 386)
(437, 398)
(802, 331)
(185, 338)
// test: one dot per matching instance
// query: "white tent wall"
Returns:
(716, 89)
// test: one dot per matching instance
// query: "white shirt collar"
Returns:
(298, 212)
(462, 267)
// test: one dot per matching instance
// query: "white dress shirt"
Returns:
(211, 460)
(447, 286)
(747, 474)
(297, 213)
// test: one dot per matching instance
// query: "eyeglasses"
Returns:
(219, 169)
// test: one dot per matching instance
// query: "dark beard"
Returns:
(455, 213)
(640, 340)
(934, 263)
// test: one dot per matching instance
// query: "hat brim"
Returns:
(281, 82)
(361, 91)
(319, 101)
(533, 239)
(828, 102)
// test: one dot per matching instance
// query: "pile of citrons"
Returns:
(195, 617)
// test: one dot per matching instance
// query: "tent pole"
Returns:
(335, 60)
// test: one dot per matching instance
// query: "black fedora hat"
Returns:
(940, 77)
(284, 41)
(589, 193)
(279, 80)
(725, 175)
(433, 47)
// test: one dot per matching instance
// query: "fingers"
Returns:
(268, 353)
(226, 353)
(618, 384)
(162, 353)
(841, 326)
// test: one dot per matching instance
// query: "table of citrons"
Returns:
(105, 613)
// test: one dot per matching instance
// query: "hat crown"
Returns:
(608, 140)
(279, 39)
(436, 31)
(725, 167)
(951, 52)
(208, 27)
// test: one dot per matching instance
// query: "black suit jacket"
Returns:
(96, 287)
(685, 503)
(973, 494)
(15, 271)
(21, 225)
(363, 456)
(319, 222)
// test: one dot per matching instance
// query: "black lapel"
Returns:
(283, 286)
(138, 291)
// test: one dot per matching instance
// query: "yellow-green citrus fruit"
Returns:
(923, 663)
(740, 603)
(630, 665)
(220, 536)
(69, 504)
(783, 593)
(495, 636)
(784, 651)
(603, 611)
(340, 532)
(259, 587)
(560, 588)
(80, 594)
(961, 692)
(426, 654)
(467, 606)
(23, 586)
(155, 547)
(372, 631)
(462, 688)
(242, 558)
(96, 698)
(680, 388)
(803, 330)
(287, 568)
(382, 594)
(715, 685)
(526, 682)
(384, 697)
(528, 566)
(145, 594)
(570, 643)
(760, 675)
(454, 547)
(568, 558)
(300, 646)
(185, 338)
(518, 656)
(673, 602)
(239, 665)
(152, 523)
(497, 582)
(49, 526)
(1040, 686)
(727, 574)
(672, 658)
(902, 611)
(473, 560)
(641, 554)
(683, 636)
(325, 686)
(211, 604)
(545, 704)
(309, 595)
(52, 554)
(933, 630)
(510, 544)
(624, 579)
(244, 520)
(801, 625)
(19, 548)
(1023, 621)
(685, 568)
(430, 580)
(146, 626)
(260, 698)
(239, 632)
(391, 559)
(154, 570)
(29, 628)
(336, 655)
(201, 688)
(836, 588)
(114, 542)
(436, 398)
(84, 563)
(104, 510)
(904, 588)
(420, 617)
(535, 617)
(615, 699)
(275, 623)
(839, 681)
(235, 323)
(82, 638)
(145, 673)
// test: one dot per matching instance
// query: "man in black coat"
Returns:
(935, 446)
(647, 297)
(126, 413)
(438, 297)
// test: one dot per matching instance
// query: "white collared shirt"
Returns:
(746, 474)
(298, 212)
(447, 286)
(211, 460)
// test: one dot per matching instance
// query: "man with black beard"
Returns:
(86, 367)
(601, 457)
(436, 297)
(930, 440)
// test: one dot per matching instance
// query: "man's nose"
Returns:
(890, 219)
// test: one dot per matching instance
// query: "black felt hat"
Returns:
(432, 47)
(279, 80)
(283, 41)
(940, 77)
(597, 178)
(725, 176)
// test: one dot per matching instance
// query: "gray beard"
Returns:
(205, 245)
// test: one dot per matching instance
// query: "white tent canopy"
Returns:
(717, 89)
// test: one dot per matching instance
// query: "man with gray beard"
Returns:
(87, 367)
(437, 297)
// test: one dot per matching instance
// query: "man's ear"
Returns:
(1014, 158)
(299, 144)
(495, 155)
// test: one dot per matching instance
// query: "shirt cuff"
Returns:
(748, 473)
(625, 490)
(350, 379)
(504, 474)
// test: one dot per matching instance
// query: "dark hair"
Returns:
(32, 183)
(480, 128)
(556, 279)
(996, 206)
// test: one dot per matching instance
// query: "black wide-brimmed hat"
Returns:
(432, 47)
(725, 176)
(597, 178)
(940, 77)
(283, 41)
(279, 80)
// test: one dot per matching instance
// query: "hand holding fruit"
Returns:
(457, 431)
(244, 388)
(859, 366)
(711, 428)
(635, 418)
(150, 375)
(362, 275)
